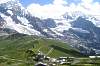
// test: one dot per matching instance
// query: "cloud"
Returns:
(59, 7)
(53, 10)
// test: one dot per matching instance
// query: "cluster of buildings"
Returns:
(43, 60)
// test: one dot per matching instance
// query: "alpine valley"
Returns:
(79, 30)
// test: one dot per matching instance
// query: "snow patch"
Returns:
(10, 12)
(80, 30)
(18, 27)
(23, 20)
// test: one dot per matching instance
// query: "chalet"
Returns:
(94, 56)
(41, 64)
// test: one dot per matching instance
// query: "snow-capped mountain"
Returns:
(81, 31)
(12, 16)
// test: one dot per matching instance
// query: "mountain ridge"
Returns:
(15, 17)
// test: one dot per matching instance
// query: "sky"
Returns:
(43, 2)
(56, 8)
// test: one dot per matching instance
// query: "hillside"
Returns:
(13, 48)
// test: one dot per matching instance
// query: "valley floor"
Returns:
(22, 50)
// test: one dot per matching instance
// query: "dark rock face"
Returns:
(90, 39)
(94, 31)
(49, 23)
(83, 34)
(1, 21)
(9, 31)
(83, 23)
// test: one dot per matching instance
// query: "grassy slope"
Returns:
(14, 48)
